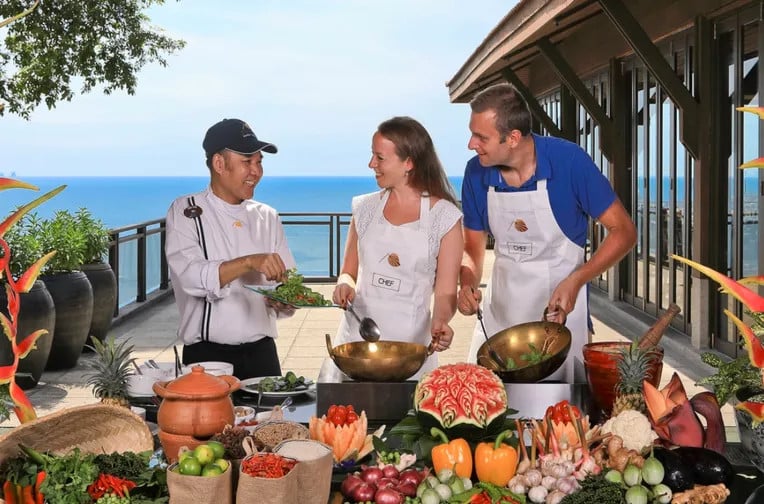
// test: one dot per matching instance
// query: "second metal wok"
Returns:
(513, 343)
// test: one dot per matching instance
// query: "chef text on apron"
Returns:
(394, 286)
(532, 256)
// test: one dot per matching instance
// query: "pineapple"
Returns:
(110, 370)
(632, 370)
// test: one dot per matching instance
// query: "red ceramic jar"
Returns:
(601, 364)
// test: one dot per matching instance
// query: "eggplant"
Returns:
(708, 466)
(678, 473)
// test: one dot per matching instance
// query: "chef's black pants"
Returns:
(249, 359)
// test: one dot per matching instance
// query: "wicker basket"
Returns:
(94, 428)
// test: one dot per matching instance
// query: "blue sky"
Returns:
(315, 77)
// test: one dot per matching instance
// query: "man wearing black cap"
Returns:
(219, 240)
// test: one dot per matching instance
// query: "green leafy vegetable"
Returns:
(286, 383)
(293, 292)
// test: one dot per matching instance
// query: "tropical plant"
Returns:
(100, 44)
(95, 234)
(110, 370)
(745, 372)
(24, 240)
(14, 287)
(62, 234)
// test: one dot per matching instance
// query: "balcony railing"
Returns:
(136, 254)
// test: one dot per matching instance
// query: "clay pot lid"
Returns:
(197, 382)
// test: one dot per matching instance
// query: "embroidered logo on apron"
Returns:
(386, 282)
(393, 260)
(237, 224)
(520, 225)
(520, 248)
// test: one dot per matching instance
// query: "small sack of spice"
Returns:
(200, 489)
(267, 478)
(314, 468)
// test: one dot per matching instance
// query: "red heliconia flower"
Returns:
(14, 288)
(751, 299)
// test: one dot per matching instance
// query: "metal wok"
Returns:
(380, 361)
(513, 343)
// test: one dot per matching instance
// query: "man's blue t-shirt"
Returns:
(577, 189)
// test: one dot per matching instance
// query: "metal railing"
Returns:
(136, 254)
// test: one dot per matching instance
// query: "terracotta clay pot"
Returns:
(196, 404)
(601, 364)
(172, 443)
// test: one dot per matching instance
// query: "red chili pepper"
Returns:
(268, 465)
(9, 493)
(27, 494)
(39, 498)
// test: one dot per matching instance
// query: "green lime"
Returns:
(189, 466)
(222, 464)
(211, 470)
(204, 454)
(217, 448)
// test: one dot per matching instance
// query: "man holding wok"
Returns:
(535, 195)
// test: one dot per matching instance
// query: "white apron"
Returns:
(532, 256)
(394, 286)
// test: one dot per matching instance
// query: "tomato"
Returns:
(331, 411)
(337, 420)
(351, 417)
(341, 411)
(350, 408)
(559, 413)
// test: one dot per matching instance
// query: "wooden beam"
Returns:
(582, 94)
(651, 56)
(537, 110)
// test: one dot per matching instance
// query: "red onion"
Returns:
(372, 474)
(411, 476)
(388, 496)
(363, 492)
(349, 484)
(408, 489)
(387, 483)
(390, 471)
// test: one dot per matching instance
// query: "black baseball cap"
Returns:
(234, 135)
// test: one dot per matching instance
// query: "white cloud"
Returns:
(313, 76)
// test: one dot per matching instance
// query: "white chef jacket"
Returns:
(198, 243)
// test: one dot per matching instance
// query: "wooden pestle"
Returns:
(653, 335)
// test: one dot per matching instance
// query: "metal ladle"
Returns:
(368, 329)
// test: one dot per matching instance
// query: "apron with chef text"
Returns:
(394, 286)
(532, 256)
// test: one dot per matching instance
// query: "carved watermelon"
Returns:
(465, 400)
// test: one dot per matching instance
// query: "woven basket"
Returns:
(94, 428)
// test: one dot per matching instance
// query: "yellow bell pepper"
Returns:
(496, 462)
(455, 455)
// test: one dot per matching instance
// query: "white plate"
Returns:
(250, 385)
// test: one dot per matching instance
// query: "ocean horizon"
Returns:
(123, 201)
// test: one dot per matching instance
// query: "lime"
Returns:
(189, 466)
(204, 454)
(222, 464)
(217, 448)
(211, 470)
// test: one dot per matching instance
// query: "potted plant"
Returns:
(744, 381)
(98, 271)
(69, 287)
(37, 310)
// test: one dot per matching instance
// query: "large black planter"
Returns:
(104, 285)
(73, 298)
(36, 312)
(752, 438)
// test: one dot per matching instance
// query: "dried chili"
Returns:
(267, 465)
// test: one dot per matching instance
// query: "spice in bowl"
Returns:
(243, 414)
